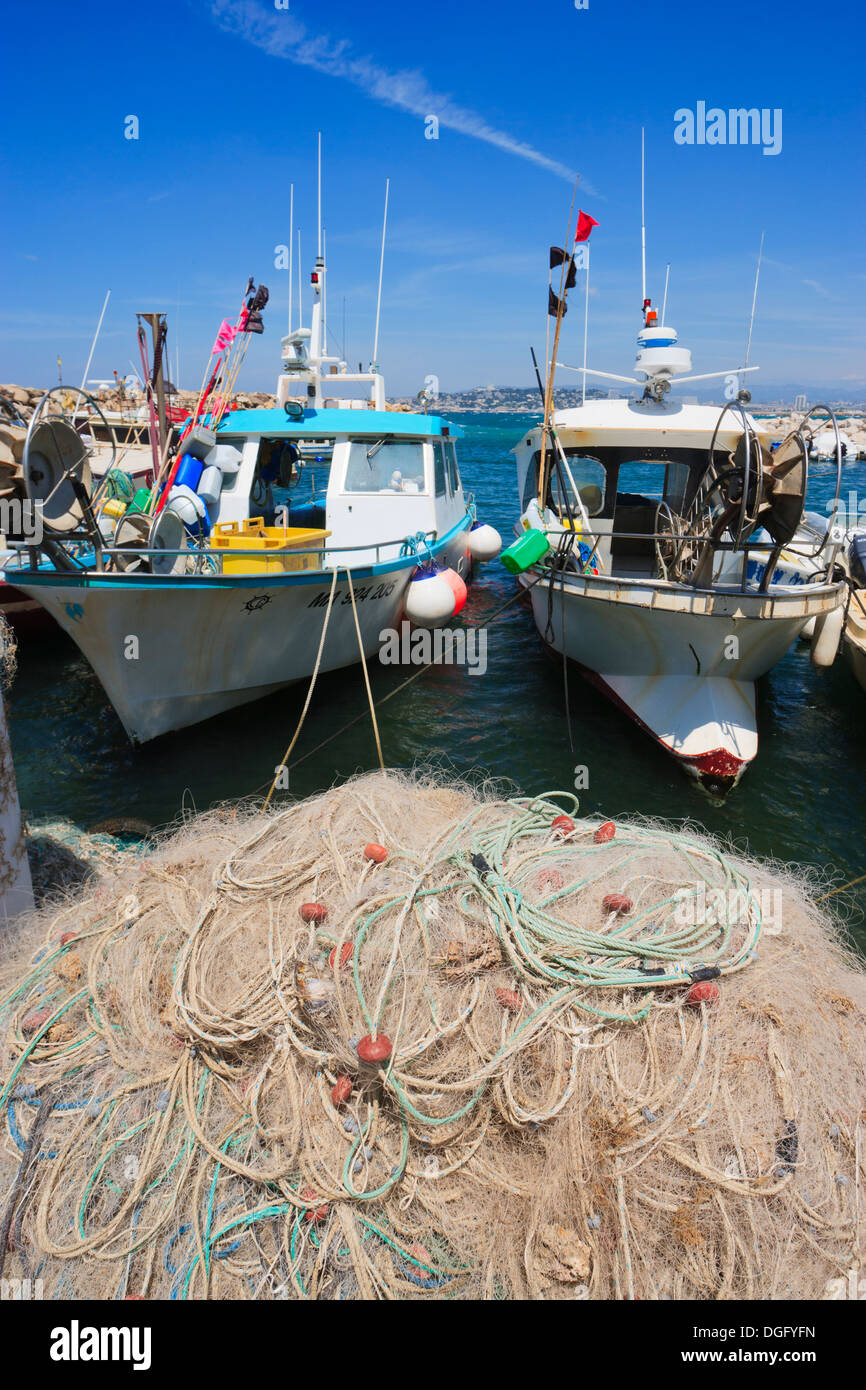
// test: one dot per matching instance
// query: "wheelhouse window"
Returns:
(439, 467)
(386, 466)
(451, 459)
(653, 480)
(587, 477)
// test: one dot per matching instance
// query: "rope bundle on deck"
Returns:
(404, 1041)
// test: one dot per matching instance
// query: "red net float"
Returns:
(617, 902)
(563, 826)
(35, 1020)
(377, 854)
(345, 955)
(705, 992)
(313, 1213)
(605, 833)
(68, 936)
(509, 999)
(341, 1090)
(374, 1050)
(313, 912)
(550, 878)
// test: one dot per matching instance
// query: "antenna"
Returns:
(643, 212)
(300, 285)
(320, 196)
(95, 337)
(381, 268)
(324, 297)
(665, 300)
(754, 298)
(291, 247)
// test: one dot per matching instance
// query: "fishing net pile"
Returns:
(409, 1040)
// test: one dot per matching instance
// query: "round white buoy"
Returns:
(485, 543)
(827, 636)
(429, 599)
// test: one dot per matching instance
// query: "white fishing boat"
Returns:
(638, 546)
(825, 444)
(854, 636)
(221, 596)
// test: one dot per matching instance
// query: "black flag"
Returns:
(557, 256)
(553, 304)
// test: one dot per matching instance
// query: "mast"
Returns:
(381, 268)
(643, 214)
(567, 263)
(291, 247)
(319, 244)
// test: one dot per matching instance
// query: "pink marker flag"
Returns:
(226, 335)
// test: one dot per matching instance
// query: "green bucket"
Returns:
(526, 551)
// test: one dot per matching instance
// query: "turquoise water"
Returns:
(802, 799)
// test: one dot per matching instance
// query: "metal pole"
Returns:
(300, 285)
(585, 323)
(665, 300)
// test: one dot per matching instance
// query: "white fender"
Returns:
(429, 600)
(827, 636)
(484, 543)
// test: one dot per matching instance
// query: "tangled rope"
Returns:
(456, 1061)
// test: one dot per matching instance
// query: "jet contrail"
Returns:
(275, 32)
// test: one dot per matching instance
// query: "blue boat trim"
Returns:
(272, 421)
(55, 579)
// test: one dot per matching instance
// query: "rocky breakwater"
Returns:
(852, 428)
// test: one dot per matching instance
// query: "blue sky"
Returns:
(230, 95)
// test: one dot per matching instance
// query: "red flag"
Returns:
(585, 224)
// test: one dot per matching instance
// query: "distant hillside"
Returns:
(489, 400)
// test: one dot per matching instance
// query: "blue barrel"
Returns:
(189, 472)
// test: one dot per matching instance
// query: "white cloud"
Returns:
(281, 36)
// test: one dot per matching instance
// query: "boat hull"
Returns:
(681, 663)
(171, 654)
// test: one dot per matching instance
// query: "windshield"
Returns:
(388, 465)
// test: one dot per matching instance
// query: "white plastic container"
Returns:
(210, 485)
(225, 457)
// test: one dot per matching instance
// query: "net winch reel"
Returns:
(56, 468)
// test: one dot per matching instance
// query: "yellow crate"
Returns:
(279, 546)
